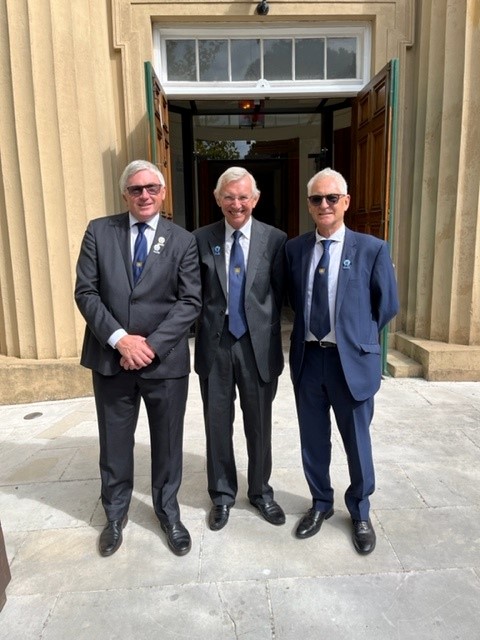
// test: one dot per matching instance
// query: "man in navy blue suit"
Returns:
(335, 355)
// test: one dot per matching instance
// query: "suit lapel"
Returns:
(121, 226)
(216, 242)
(258, 239)
(347, 264)
(306, 260)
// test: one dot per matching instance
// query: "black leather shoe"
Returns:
(178, 538)
(218, 516)
(363, 536)
(271, 511)
(111, 537)
(311, 522)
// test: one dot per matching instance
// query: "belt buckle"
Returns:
(325, 345)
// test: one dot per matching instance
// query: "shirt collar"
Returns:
(338, 236)
(246, 229)
(151, 223)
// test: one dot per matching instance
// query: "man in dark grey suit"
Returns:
(238, 342)
(138, 288)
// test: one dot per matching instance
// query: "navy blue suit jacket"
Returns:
(366, 301)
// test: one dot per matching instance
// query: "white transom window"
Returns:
(319, 59)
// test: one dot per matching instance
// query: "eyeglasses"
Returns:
(241, 199)
(331, 198)
(136, 190)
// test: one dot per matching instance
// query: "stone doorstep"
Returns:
(24, 381)
(401, 366)
(440, 361)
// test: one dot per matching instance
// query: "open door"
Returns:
(159, 143)
(374, 135)
(374, 114)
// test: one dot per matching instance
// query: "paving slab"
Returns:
(251, 580)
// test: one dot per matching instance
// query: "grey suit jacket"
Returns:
(264, 294)
(162, 306)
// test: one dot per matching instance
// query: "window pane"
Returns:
(309, 59)
(245, 59)
(213, 59)
(341, 57)
(277, 59)
(181, 60)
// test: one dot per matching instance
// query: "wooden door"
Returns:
(373, 153)
(158, 133)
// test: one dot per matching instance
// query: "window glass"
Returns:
(213, 60)
(277, 59)
(181, 60)
(309, 58)
(341, 58)
(245, 56)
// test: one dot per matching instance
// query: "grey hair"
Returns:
(136, 166)
(232, 174)
(329, 173)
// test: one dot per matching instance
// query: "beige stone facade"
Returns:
(72, 114)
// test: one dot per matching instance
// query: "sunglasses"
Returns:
(137, 189)
(331, 198)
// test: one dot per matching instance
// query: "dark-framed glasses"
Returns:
(137, 189)
(331, 198)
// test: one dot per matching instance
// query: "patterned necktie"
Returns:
(319, 310)
(140, 251)
(237, 322)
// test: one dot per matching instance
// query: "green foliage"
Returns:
(216, 149)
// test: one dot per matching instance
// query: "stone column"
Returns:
(59, 166)
(442, 328)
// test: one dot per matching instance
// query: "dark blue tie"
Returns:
(237, 322)
(319, 310)
(140, 251)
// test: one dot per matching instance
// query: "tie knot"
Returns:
(236, 235)
(326, 244)
(141, 226)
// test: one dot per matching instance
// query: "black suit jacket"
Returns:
(162, 306)
(264, 293)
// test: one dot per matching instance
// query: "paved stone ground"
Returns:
(250, 581)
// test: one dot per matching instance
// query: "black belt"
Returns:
(322, 344)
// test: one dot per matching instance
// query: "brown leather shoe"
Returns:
(111, 537)
(178, 538)
(311, 522)
(363, 536)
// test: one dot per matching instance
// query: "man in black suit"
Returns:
(238, 342)
(138, 288)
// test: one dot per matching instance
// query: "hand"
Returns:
(135, 352)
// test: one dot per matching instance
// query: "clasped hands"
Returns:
(135, 352)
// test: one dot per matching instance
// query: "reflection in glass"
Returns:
(341, 57)
(213, 59)
(277, 59)
(181, 60)
(245, 56)
(309, 58)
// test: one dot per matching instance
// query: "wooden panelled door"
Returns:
(373, 117)
(159, 141)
